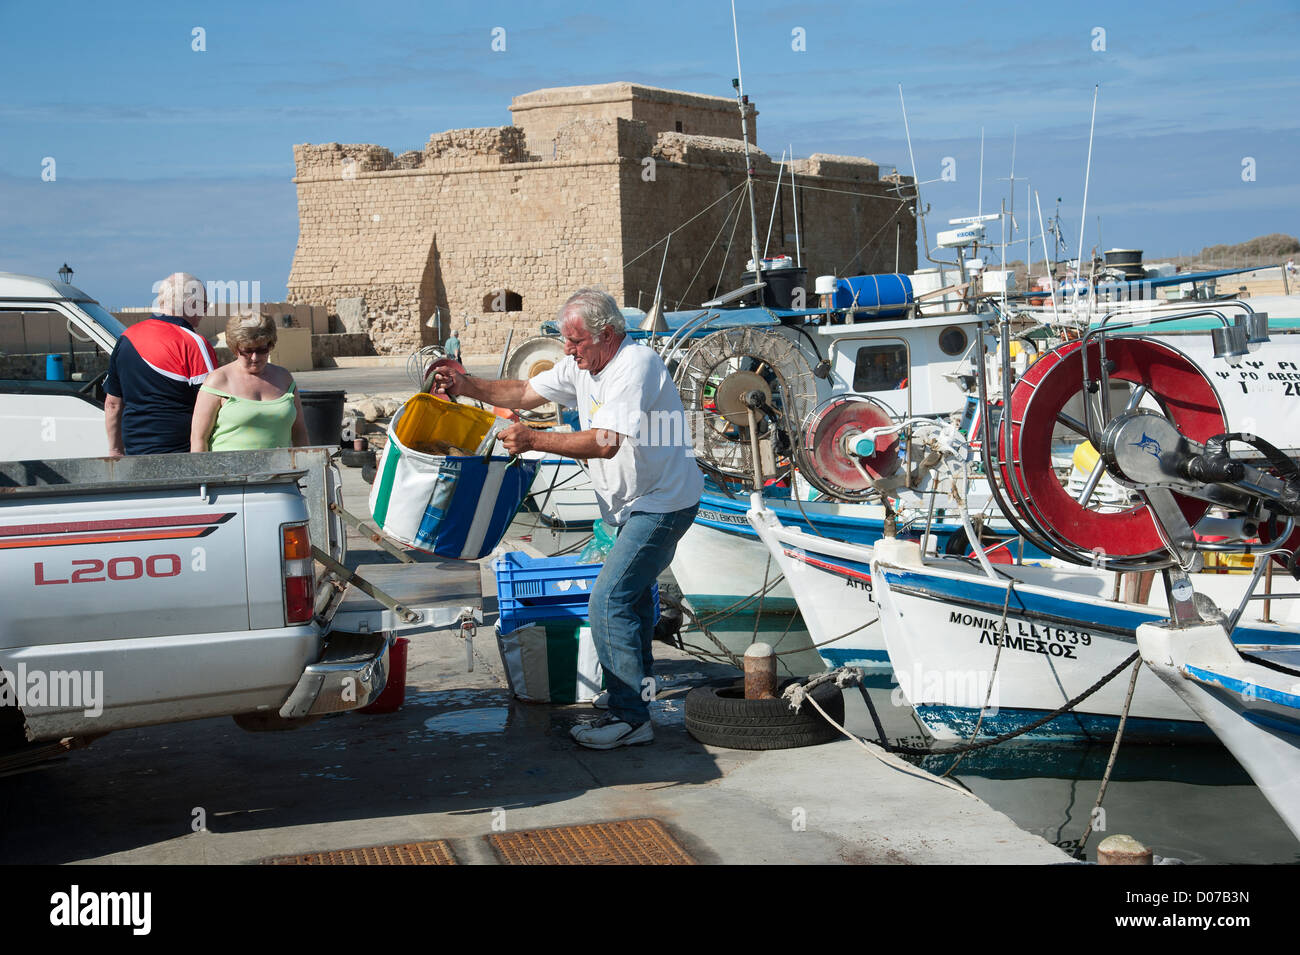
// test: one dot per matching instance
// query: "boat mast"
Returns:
(742, 102)
(794, 195)
(1087, 174)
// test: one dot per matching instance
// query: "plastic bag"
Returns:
(601, 543)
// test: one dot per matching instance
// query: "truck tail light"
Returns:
(299, 573)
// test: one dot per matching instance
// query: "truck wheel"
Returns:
(721, 716)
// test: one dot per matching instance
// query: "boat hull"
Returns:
(1253, 709)
(943, 623)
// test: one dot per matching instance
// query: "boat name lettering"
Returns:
(1029, 631)
(1028, 644)
(723, 518)
(857, 584)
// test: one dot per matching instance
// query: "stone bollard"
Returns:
(760, 672)
(1122, 850)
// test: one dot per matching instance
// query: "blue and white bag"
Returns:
(456, 506)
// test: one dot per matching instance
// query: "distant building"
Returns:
(491, 228)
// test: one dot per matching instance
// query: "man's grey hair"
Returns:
(596, 308)
(181, 295)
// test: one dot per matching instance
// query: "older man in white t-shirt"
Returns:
(634, 434)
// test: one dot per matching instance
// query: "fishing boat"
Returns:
(1250, 698)
(1041, 636)
(1002, 651)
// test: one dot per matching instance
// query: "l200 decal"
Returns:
(172, 527)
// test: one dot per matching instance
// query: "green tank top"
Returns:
(247, 425)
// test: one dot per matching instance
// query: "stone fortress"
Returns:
(491, 228)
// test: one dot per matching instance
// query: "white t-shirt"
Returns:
(654, 469)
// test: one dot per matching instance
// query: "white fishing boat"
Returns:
(1005, 650)
(1250, 699)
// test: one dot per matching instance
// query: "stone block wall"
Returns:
(483, 231)
(541, 113)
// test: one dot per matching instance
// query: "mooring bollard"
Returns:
(760, 672)
(1122, 850)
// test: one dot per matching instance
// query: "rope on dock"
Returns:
(1110, 764)
(883, 755)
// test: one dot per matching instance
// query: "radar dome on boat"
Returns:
(825, 285)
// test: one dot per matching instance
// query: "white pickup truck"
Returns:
(159, 588)
(172, 587)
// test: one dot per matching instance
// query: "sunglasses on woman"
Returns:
(250, 352)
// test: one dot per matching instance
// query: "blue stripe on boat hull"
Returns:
(869, 659)
(1070, 727)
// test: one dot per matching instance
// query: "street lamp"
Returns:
(65, 276)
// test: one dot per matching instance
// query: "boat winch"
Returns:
(838, 453)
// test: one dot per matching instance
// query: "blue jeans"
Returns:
(622, 609)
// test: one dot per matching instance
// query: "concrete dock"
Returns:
(462, 760)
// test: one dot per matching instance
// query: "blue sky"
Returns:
(168, 158)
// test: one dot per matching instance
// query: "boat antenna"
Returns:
(916, 181)
(794, 193)
(742, 101)
(980, 205)
(1052, 273)
(776, 197)
(1003, 221)
(1014, 226)
(1012, 180)
(1087, 174)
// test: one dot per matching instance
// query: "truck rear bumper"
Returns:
(350, 674)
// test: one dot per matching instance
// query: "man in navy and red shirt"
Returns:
(155, 372)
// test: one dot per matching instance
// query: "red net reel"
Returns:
(827, 461)
(1025, 441)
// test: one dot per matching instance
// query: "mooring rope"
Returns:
(1110, 763)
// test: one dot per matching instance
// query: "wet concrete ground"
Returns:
(461, 756)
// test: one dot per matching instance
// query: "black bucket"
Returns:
(323, 411)
(781, 285)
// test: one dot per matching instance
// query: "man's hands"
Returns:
(518, 438)
(448, 381)
(500, 394)
(597, 443)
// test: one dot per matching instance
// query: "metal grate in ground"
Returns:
(629, 842)
(404, 853)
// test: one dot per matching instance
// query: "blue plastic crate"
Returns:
(530, 589)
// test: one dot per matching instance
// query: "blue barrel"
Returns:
(54, 368)
(889, 294)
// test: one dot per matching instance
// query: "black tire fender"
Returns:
(719, 715)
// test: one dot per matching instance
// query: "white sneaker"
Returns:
(609, 732)
(601, 700)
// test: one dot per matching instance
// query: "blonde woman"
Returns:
(248, 404)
